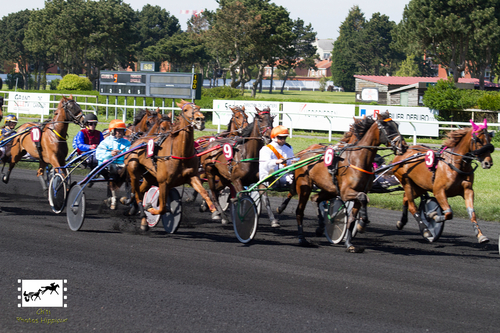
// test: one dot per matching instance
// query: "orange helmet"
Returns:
(116, 123)
(279, 131)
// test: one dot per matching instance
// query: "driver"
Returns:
(113, 145)
(272, 157)
(88, 138)
(7, 130)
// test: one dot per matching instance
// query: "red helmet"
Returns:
(279, 131)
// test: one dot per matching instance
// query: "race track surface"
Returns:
(201, 279)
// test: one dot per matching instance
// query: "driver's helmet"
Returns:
(91, 118)
(116, 123)
(10, 119)
(279, 131)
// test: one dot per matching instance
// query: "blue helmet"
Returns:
(11, 118)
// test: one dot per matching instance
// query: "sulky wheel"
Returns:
(75, 211)
(335, 220)
(172, 218)
(151, 197)
(245, 218)
(427, 206)
(58, 190)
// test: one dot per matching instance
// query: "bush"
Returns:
(74, 82)
(54, 83)
(224, 92)
(322, 83)
(11, 80)
(489, 101)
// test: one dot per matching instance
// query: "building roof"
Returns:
(325, 44)
(324, 64)
(407, 80)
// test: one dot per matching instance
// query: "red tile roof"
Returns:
(407, 80)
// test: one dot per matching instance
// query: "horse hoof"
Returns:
(303, 242)
(203, 207)
(427, 235)
(353, 249)
(216, 216)
(482, 239)
(400, 225)
(275, 224)
(144, 227)
(361, 227)
(224, 222)
(5, 179)
(320, 231)
(125, 201)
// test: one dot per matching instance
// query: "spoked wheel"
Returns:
(245, 218)
(335, 220)
(429, 205)
(172, 218)
(151, 197)
(76, 208)
(58, 190)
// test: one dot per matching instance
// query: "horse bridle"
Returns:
(485, 147)
(392, 139)
(192, 120)
(264, 129)
(74, 119)
(245, 120)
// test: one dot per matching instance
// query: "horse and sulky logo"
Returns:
(42, 293)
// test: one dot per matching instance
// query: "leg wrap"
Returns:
(470, 211)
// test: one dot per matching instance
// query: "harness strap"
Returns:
(278, 155)
(362, 170)
(59, 135)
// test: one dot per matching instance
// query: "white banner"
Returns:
(28, 103)
(295, 120)
(222, 108)
(420, 117)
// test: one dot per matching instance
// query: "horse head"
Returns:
(265, 123)
(72, 110)
(192, 114)
(389, 133)
(239, 120)
(480, 145)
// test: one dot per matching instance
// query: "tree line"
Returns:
(460, 35)
(242, 37)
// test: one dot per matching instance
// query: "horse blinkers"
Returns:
(483, 153)
(390, 129)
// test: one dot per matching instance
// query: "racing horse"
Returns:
(243, 168)
(350, 176)
(447, 174)
(174, 162)
(47, 141)
(238, 121)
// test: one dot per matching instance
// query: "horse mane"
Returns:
(361, 127)
(455, 137)
(139, 116)
(248, 130)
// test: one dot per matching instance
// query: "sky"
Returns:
(325, 16)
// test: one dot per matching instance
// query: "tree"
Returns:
(12, 32)
(343, 66)
(301, 53)
(154, 23)
(409, 67)
(449, 31)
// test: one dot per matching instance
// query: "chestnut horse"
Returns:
(352, 177)
(243, 167)
(452, 174)
(238, 121)
(174, 162)
(52, 148)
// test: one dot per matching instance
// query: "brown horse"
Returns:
(243, 168)
(352, 176)
(238, 121)
(451, 175)
(174, 163)
(52, 147)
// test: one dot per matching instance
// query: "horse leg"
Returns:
(359, 206)
(469, 203)
(303, 190)
(404, 217)
(12, 163)
(198, 187)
